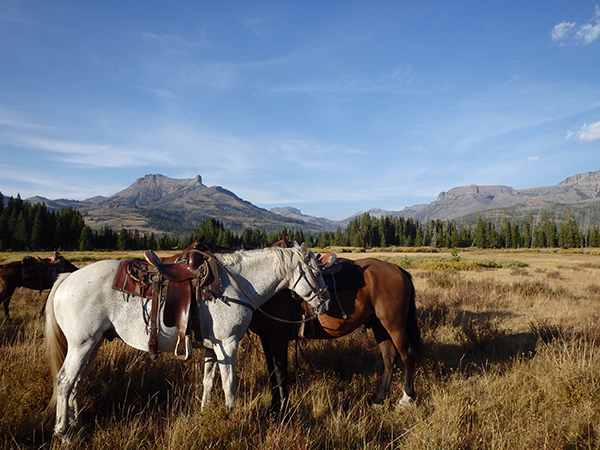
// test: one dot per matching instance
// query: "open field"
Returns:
(513, 362)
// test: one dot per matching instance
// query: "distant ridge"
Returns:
(295, 213)
(156, 203)
(459, 202)
(161, 204)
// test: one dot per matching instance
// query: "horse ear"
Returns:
(304, 251)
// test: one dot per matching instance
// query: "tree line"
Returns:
(32, 227)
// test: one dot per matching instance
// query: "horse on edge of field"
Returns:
(31, 272)
(382, 298)
(83, 309)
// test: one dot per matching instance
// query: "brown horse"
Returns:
(31, 272)
(382, 298)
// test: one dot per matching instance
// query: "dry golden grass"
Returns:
(512, 363)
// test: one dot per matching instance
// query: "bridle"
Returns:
(312, 282)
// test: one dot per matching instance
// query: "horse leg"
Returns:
(5, 304)
(275, 395)
(275, 350)
(5, 296)
(210, 373)
(390, 356)
(226, 356)
(408, 355)
(280, 359)
(392, 341)
(68, 380)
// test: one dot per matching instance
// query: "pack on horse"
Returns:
(369, 292)
(246, 280)
(31, 272)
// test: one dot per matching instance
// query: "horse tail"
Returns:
(56, 342)
(412, 322)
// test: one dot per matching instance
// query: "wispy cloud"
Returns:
(399, 80)
(566, 32)
(87, 154)
(175, 40)
(587, 133)
(13, 120)
(158, 92)
(562, 30)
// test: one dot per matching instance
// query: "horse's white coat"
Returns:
(84, 306)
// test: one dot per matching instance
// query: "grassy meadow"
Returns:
(512, 362)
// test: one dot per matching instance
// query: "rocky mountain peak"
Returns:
(475, 190)
(153, 188)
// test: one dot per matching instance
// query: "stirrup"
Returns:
(188, 348)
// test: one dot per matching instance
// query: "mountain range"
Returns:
(160, 204)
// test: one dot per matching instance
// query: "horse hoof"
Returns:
(72, 437)
(405, 401)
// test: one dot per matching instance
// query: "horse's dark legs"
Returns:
(390, 356)
(5, 297)
(408, 355)
(276, 355)
(5, 304)
(393, 341)
(408, 358)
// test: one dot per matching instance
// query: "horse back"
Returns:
(387, 287)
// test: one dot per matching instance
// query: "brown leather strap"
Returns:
(154, 312)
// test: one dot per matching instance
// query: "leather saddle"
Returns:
(177, 287)
(46, 269)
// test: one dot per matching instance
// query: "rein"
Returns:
(256, 307)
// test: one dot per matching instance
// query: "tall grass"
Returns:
(512, 363)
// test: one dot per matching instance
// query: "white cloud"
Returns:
(571, 31)
(588, 133)
(89, 154)
(588, 32)
(533, 158)
(562, 30)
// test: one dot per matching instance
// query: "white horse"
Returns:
(83, 309)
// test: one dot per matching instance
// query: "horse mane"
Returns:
(283, 259)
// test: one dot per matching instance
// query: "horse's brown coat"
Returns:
(39, 274)
(383, 301)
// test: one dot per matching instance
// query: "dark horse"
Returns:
(31, 272)
(382, 298)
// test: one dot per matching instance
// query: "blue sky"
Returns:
(331, 107)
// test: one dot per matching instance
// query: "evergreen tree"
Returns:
(123, 240)
(86, 239)
(481, 234)
(569, 235)
(37, 230)
(340, 238)
(593, 237)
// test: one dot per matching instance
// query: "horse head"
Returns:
(310, 284)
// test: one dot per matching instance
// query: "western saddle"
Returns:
(45, 270)
(178, 286)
